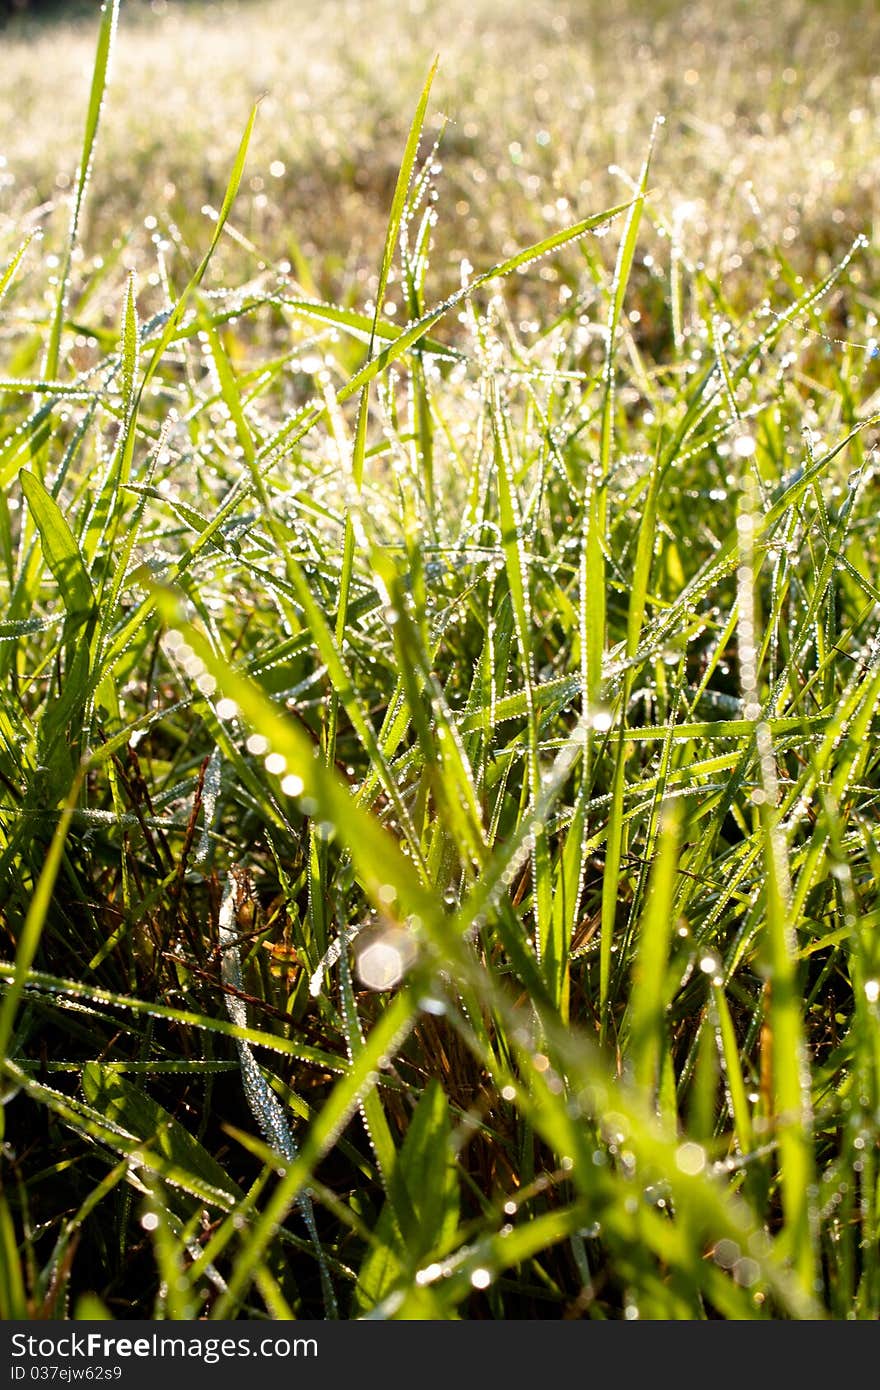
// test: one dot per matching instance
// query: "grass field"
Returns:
(440, 662)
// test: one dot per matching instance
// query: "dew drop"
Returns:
(690, 1158)
(746, 1272)
(382, 960)
(726, 1253)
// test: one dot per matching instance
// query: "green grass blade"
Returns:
(128, 1106)
(8, 274)
(13, 1299)
(34, 923)
(648, 996)
(60, 550)
(106, 32)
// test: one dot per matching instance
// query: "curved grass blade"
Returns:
(60, 550)
(149, 1123)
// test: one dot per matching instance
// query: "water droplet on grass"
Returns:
(726, 1253)
(746, 1272)
(690, 1158)
(743, 446)
(383, 960)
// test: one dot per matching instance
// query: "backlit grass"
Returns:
(439, 687)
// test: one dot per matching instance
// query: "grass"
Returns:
(438, 762)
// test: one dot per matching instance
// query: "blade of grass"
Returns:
(106, 32)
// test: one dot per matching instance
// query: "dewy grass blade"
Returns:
(401, 192)
(734, 1080)
(8, 275)
(398, 208)
(101, 519)
(305, 420)
(648, 995)
(635, 620)
(373, 1113)
(593, 586)
(148, 1152)
(343, 1101)
(595, 537)
(175, 318)
(264, 1105)
(39, 981)
(106, 32)
(128, 1106)
(387, 876)
(791, 1106)
(552, 950)
(364, 327)
(60, 550)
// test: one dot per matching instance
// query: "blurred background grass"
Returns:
(771, 140)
